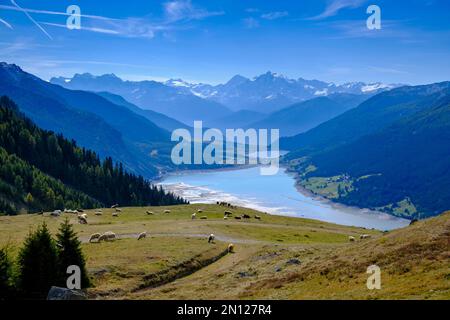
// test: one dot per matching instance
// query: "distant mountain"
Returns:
(91, 120)
(372, 115)
(159, 119)
(270, 92)
(150, 95)
(395, 161)
(41, 170)
(238, 119)
(306, 115)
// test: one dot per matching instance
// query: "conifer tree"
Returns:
(70, 253)
(6, 286)
(37, 264)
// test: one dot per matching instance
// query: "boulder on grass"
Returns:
(57, 293)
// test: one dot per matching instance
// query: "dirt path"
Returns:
(194, 284)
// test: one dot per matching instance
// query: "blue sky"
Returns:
(210, 41)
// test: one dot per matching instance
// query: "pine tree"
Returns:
(37, 264)
(70, 253)
(6, 288)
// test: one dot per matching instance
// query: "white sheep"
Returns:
(193, 216)
(142, 235)
(364, 236)
(166, 211)
(115, 214)
(82, 219)
(150, 213)
(230, 248)
(98, 213)
(94, 236)
(211, 238)
(203, 218)
(199, 210)
(118, 210)
(257, 217)
(351, 239)
(110, 235)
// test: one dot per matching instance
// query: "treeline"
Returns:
(102, 182)
(42, 262)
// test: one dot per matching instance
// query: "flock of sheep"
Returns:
(361, 237)
(111, 236)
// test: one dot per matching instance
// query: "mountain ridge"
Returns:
(265, 93)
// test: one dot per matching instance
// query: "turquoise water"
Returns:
(272, 194)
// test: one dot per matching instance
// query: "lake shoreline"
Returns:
(293, 200)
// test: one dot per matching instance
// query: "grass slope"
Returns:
(275, 257)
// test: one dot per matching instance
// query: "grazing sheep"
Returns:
(166, 211)
(238, 218)
(98, 213)
(94, 236)
(142, 235)
(82, 220)
(110, 235)
(230, 248)
(245, 216)
(194, 216)
(351, 239)
(225, 218)
(115, 214)
(56, 213)
(364, 236)
(257, 217)
(114, 206)
(84, 215)
(211, 238)
(118, 210)
(203, 217)
(228, 213)
(199, 210)
(150, 213)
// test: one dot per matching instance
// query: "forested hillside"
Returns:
(401, 168)
(42, 170)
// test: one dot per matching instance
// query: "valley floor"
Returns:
(274, 258)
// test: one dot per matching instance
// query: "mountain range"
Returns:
(270, 92)
(186, 101)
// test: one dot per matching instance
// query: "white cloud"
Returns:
(175, 11)
(184, 10)
(275, 15)
(334, 6)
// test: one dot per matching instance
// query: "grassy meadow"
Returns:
(274, 258)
